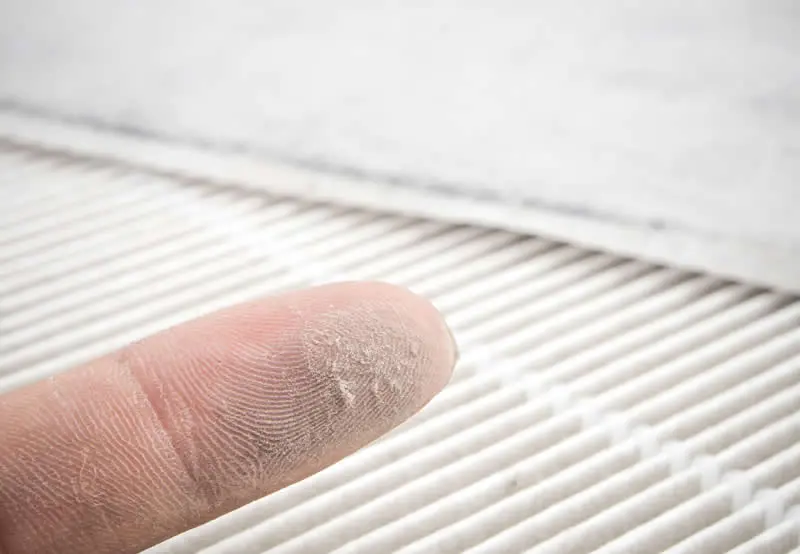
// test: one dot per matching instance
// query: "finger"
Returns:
(168, 433)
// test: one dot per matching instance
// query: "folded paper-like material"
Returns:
(773, 263)
(599, 401)
(667, 131)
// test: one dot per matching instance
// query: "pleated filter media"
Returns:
(600, 403)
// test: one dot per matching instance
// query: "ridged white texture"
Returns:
(601, 404)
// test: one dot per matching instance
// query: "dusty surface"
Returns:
(665, 117)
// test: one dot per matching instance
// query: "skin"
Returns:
(173, 431)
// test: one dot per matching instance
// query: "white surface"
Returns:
(672, 126)
(600, 403)
(767, 264)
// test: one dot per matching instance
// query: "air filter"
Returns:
(600, 404)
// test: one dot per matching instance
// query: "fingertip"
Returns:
(423, 320)
(202, 418)
(287, 385)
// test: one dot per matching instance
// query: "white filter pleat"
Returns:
(600, 404)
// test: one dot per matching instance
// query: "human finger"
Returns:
(170, 432)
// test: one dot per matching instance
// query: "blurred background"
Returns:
(668, 129)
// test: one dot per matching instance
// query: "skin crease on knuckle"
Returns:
(207, 416)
